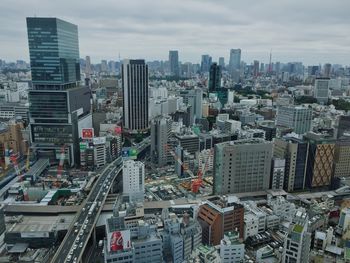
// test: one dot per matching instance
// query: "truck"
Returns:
(92, 208)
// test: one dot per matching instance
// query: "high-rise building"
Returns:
(341, 157)
(174, 63)
(270, 129)
(343, 125)
(219, 216)
(222, 62)
(160, 132)
(242, 166)
(295, 152)
(88, 70)
(205, 63)
(59, 107)
(296, 117)
(322, 90)
(135, 95)
(297, 243)
(133, 180)
(214, 83)
(54, 53)
(277, 173)
(327, 70)
(235, 59)
(256, 68)
(194, 98)
(320, 160)
(189, 141)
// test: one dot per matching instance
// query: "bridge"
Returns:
(83, 225)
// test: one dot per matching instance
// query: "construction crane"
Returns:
(28, 160)
(177, 158)
(61, 162)
(13, 159)
(197, 183)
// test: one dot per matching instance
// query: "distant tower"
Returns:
(270, 64)
(88, 67)
(174, 63)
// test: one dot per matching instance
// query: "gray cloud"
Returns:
(297, 30)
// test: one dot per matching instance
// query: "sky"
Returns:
(310, 31)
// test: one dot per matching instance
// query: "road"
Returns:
(74, 243)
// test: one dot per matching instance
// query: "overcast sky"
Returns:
(311, 31)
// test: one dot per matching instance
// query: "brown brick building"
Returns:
(218, 216)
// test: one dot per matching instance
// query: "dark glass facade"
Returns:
(135, 95)
(54, 53)
(300, 165)
(214, 78)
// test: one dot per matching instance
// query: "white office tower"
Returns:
(298, 118)
(321, 90)
(134, 180)
(135, 95)
(296, 246)
(231, 249)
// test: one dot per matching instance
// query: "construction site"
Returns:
(43, 183)
(179, 179)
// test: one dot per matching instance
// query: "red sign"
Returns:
(87, 133)
(119, 240)
(118, 130)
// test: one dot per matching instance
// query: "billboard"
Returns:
(34, 234)
(87, 133)
(99, 140)
(118, 240)
(129, 153)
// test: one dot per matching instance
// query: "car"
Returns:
(76, 231)
(75, 246)
(76, 224)
(81, 233)
(69, 257)
(81, 244)
(75, 260)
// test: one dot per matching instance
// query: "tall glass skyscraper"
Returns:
(214, 78)
(54, 53)
(174, 63)
(58, 106)
(135, 95)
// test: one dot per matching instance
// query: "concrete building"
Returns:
(296, 117)
(295, 151)
(297, 243)
(133, 179)
(321, 92)
(135, 95)
(231, 126)
(193, 98)
(140, 242)
(281, 207)
(100, 152)
(231, 249)
(189, 141)
(55, 78)
(277, 174)
(174, 63)
(344, 221)
(219, 216)
(205, 254)
(251, 225)
(242, 166)
(270, 129)
(11, 142)
(160, 132)
(180, 237)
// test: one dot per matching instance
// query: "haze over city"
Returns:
(312, 31)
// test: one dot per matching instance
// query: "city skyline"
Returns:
(307, 32)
